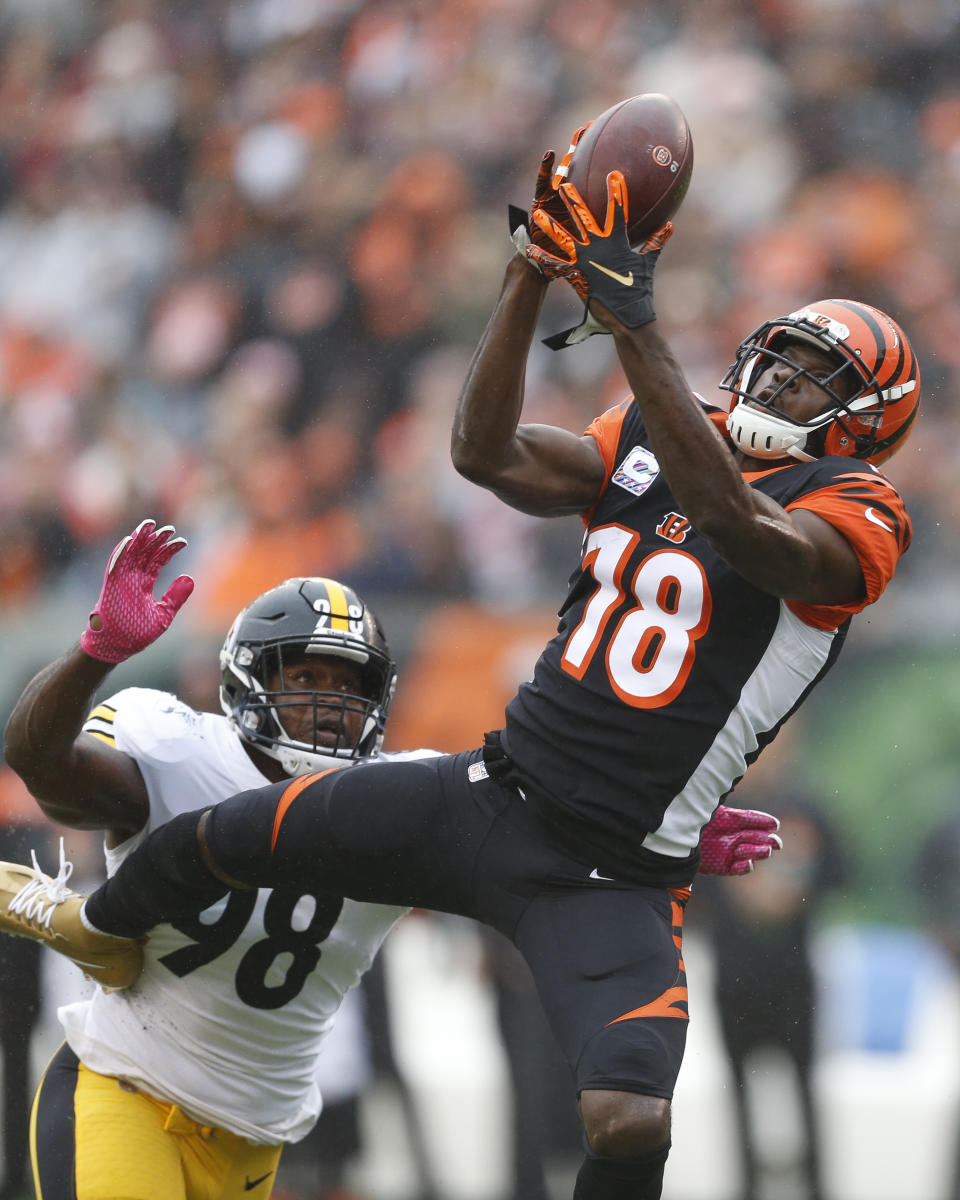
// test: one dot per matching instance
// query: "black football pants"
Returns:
(438, 833)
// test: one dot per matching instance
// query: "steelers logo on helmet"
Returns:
(303, 621)
(871, 397)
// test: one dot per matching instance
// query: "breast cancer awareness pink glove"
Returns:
(735, 838)
(128, 617)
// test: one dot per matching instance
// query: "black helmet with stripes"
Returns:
(300, 619)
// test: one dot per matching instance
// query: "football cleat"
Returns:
(35, 906)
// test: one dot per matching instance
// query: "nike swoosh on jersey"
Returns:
(595, 874)
(872, 516)
(252, 1183)
(626, 280)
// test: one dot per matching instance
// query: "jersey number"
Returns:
(299, 948)
(651, 651)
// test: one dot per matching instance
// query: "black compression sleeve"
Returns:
(165, 879)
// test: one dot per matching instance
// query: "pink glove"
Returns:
(735, 838)
(127, 617)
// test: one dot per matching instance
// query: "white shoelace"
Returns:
(38, 900)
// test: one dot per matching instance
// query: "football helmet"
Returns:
(298, 619)
(871, 398)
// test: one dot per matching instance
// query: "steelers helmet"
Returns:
(298, 619)
(872, 396)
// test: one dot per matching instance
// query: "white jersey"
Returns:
(227, 1019)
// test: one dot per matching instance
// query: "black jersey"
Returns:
(669, 671)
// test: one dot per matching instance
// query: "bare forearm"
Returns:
(491, 399)
(748, 529)
(75, 779)
(537, 469)
(49, 714)
(694, 458)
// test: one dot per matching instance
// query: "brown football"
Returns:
(647, 138)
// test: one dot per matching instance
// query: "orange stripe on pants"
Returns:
(289, 795)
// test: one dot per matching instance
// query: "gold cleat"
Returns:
(34, 905)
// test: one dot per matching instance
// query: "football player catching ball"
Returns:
(724, 556)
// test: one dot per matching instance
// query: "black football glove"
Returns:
(599, 263)
(545, 196)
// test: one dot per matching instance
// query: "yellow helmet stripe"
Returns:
(339, 610)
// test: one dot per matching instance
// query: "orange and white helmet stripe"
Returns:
(873, 422)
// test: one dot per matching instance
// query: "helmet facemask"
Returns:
(261, 704)
(853, 404)
(264, 713)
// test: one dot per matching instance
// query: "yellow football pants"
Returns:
(109, 1141)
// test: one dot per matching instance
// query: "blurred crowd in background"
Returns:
(247, 247)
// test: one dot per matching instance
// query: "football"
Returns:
(647, 138)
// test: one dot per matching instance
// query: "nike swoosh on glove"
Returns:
(128, 617)
(599, 263)
(736, 838)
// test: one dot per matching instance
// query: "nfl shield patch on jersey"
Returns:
(637, 471)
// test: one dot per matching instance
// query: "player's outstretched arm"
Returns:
(799, 557)
(538, 469)
(77, 779)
